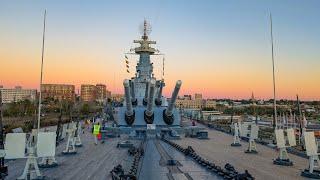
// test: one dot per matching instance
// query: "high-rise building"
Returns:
(88, 92)
(101, 92)
(97, 92)
(17, 94)
(58, 91)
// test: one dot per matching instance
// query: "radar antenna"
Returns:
(145, 29)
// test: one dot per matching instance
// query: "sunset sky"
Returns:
(218, 48)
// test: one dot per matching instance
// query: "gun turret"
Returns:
(130, 114)
(133, 96)
(145, 99)
(168, 113)
(158, 100)
(148, 114)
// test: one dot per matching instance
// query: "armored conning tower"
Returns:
(144, 103)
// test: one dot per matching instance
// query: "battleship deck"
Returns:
(218, 150)
(96, 161)
(154, 164)
(91, 161)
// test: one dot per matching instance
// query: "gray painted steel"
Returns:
(173, 98)
(151, 97)
(143, 89)
(127, 93)
(139, 117)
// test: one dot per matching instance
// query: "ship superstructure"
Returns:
(144, 103)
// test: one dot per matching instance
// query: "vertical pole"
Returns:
(275, 123)
(300, 119)
(59, 131)
(42, 56)
(162, 77)
(1, 133)
(287, 119)
(232, 113)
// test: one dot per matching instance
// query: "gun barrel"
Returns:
(126, 85)
(147, 90)
(173, 98)
(133, 96)
(160, 90)
(151, 97)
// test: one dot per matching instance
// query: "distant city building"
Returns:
(117, 97)
(189, 104)
(197, 96)
(209, 103)
(58, 91)
(186, 96)
(101, 92)
(237, 103)
(260, 102)
(97, 92)
(17, 94)
(88, 92)
(308, 108)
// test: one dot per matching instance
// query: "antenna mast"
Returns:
(275, 123)
(162, 77)
(42, 56)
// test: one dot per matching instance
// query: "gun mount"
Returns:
(148, 114)
(133, 96)
(158, 100)
(146, 94)
(129, 115)
(167, 113)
